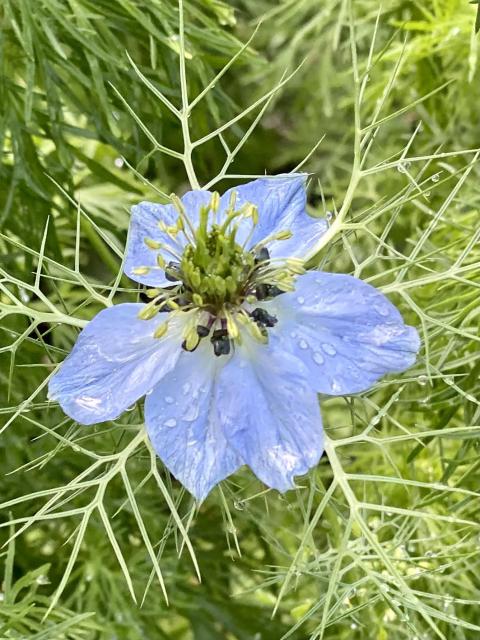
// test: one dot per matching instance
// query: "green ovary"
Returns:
(216, 268)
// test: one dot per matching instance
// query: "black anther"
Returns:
(202, 331)
(263, 318)
(221, 347)
(274, 291)
(262, 256)
(221, 342)
(261, 291)
(219, 333)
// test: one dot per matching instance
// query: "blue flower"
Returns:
(237, 339)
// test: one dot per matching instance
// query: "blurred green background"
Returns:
(389, 555)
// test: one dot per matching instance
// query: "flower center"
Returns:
(219, 277)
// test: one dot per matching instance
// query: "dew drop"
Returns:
(238, 505)
(336, 388)
(403, 167)
(329, 349)
(383, 310)
(422, 380)
(169, 400)
(329, 215)
(318, 358)
(301, 300)
(303, 344)
(171, 422)
(186, 388)
(435, 177)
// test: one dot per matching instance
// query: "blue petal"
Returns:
(346, 332)
(115, 361)
(144, 224)
(182, 421)
(270, 414)
(281, 202)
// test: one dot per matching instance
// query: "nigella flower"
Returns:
(237, 339)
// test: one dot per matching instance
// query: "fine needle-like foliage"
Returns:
(108, 103)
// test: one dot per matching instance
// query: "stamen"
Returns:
(221, 342)
(173, 272)
(192, 340)
(262, 317)
(262, 256)
(149, 311)
(152, 244)
(161, 330)
(202, 331)
(231, 325)
(261, 291)
(178, 204)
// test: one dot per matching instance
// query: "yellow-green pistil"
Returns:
(217, 279)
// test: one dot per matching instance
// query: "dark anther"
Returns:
(261, 291)
(221, 347)
(218, 334)
(274, 291)
(172, 272)
(262, 256)
(221, 342)
(263, 318)
(184, 346)
(202, 331)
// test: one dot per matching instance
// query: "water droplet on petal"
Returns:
(301, 300)
(303, 344)
(169, 400)
(383, 310)
(171, 422)
(329, 349)
(186, 388)
(318, 358)
(293, 334)
(191, 413)
(336, 388)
